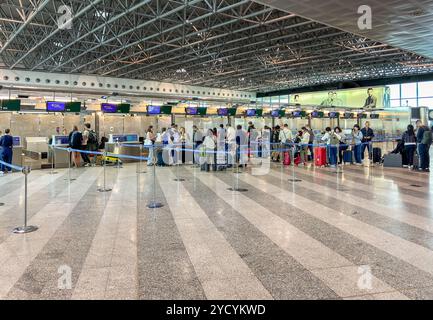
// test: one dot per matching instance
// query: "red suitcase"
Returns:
(286, 160)
(320, 156)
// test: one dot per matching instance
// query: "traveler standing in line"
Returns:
(197, 138)
(6, 151)
(241, 145)
(409, 139)
(357, 144)
(305, 139)
(424, 139)
(311, 141)
(92, 141)
(286, 139)
(368, 135)
(342, 146)
(185, 141)
(75, 142)
(332, 140)
(231, 145)
(85, 139)
(209, 144)
(149, 142)
(265, 141)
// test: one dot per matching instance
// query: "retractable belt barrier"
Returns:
(25, 170)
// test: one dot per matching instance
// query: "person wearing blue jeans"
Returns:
(6, 150)
(332, 151)
(423, 146)
(357, 141)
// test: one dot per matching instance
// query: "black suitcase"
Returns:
(348, 156)
(377, 155)
(392, 160)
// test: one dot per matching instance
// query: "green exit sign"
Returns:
(10, 105)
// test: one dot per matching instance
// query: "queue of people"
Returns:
(6, 151)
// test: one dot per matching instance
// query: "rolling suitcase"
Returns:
(286, 160)
(377, 155)
(392, 160)
(347, 157)
(320, 156)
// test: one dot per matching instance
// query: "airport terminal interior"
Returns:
(216, 150)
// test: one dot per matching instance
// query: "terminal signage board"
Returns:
(166, 109)
(298, 114)
(374, 116)
(201, 111)
(191, 111)
(53, 106)
(317, 114)
(349, 115)
(73, 107)
(10, 105)
(334, 115)
(232, 112)
(115, 108)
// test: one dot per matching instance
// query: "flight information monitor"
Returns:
(224, 112)
(53, 106)
(251, 113)
(191, 111)
(152, 110)
(333, 115)
(109, 108)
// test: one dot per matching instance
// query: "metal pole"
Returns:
(69, 166)
(53, 160)
(140, 163)
(153, 204)
(25, 228)
(104, 189)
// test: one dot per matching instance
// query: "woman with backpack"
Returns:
(357, 144)
(76, 142)
(409, 139)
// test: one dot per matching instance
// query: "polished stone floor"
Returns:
(296, 233)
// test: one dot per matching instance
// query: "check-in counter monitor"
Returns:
(124, 144)
(60, 157)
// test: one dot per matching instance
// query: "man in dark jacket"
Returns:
(423, 146)
(368, 135)
(6, 151)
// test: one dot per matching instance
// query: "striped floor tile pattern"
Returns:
(296, 233)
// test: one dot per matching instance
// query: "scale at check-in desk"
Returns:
(125, 144)
(61, 157)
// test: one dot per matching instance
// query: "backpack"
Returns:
(92, 139)
(333, 139)
(427, 137)
(76, 140)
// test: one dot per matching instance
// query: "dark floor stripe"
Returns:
(164, 268)
(395, 272)
(69, 246)
(364, 192)
(280, 274)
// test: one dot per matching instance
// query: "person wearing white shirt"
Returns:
(286, 136)
(305, 139)
(209, 145)
(231, 144)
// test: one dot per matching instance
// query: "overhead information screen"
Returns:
(191, 111)
(317, 114)
(166, 109)
(114, 108)
(201, 111)
(362, 115)
(232, 112)
(153, 110)
(374, 116)
(298, 114)
(10, 105)
(73, 107)
(349, 115)
(259, 112)
(278, 113)
(53, 106)
(108, 108)
(223, 112)
(334, 115)
(251, 113)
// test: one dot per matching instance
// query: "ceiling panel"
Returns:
(406, 24)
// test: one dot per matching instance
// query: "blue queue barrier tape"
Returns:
(11, 166)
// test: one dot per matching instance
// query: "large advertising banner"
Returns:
(374, 98)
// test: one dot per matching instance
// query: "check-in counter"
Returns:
(124, 144)
(61, 157)
(17, 152)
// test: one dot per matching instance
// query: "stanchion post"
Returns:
(25, 228)
(153, 204)
(53, 160)
(104, 189)
(69, 166)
